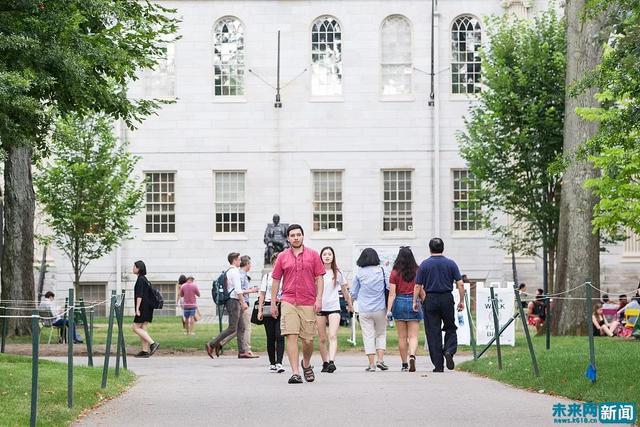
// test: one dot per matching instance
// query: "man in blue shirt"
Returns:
(436, 275)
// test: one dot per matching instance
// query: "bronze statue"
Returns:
(275, 237)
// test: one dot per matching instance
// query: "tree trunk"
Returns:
(552, 269)
(514, 267)
(17, 258)
(578, 247)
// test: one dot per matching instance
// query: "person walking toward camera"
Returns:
(328, 320)
(144, 311)
(402, 282)
(436, 276)
(301, 270)
(275, 340)
(369, 285)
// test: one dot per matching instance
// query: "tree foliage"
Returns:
(75, 56)
(615, 150)
(88, 192)
(514, 133)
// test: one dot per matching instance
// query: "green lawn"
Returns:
(169, 333)
(562, 368)
(15, 391)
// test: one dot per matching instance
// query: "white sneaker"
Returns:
(272, 368)
(279, 368)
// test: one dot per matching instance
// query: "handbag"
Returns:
(266, 312)
(198, 315)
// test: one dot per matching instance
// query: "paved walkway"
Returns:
(198, 391)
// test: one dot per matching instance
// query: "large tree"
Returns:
(59, 57)
(616, 148)
(88, 192)
(514, 133)
(578, 246)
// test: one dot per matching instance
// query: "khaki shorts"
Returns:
(298, 320)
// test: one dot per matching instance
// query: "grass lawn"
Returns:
(562, 368)
(15, 391)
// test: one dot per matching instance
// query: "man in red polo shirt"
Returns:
(302, 289)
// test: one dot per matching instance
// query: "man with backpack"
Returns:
(233, 302)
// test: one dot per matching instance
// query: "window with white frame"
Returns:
(160, 202)
(228, 57)
(397, 201)
(397, 67)
(229, 202)
(327, 201)
(326, 57)
(466, 207)
(466, 66)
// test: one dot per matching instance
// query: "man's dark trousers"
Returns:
(439, 315)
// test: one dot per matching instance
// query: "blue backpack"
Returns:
(219, 290)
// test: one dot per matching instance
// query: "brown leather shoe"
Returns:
(247, 355)
(217, 349)
(209, 349)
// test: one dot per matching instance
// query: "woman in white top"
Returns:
(328, 320)
(275, 340)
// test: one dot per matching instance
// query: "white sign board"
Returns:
(484, 314)
(462, 319)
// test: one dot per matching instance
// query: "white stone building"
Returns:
(356, 154)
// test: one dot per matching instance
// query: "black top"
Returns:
(139, 291)
(140, 288)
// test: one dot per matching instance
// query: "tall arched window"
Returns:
(228, 57)
(466, 39)
(326, 57)
(397, 67)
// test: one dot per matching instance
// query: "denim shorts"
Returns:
(189, 312)
(403, 309)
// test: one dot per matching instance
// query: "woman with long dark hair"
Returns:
(144, 311)
(275, 340)
(402, 281)
(368, 289)
(328, 319)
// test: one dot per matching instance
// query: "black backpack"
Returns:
(154, 297)
(219, 290)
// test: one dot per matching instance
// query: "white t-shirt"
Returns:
(233, 282)
(330, 295)
(265, 286)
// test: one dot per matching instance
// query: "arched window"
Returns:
(326, 57)
(228, 57)
(397, 67)
(466, 39)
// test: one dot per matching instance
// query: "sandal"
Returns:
(295, 379)
(309, 376)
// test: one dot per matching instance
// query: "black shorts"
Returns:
(327, 313)
(146, 314)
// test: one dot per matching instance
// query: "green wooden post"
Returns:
(118, 342)
(534, 362)
(35, 344)
(87, 336)
(589, 311)
(5, 325)
(107, 350)
(472, 334)
(121, 332)
(70, 338)
(65, 326)
(493, 339)
(91, 318)
(496, 325)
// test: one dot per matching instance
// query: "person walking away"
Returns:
(275, 340)
(368, 289)
(180, 300)
(244, 324)
(234, 306)
(301, 270)
(436, 276)
(144, 311)
(402, 282)
(328, 319)
(48, 305)
(189, 292)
